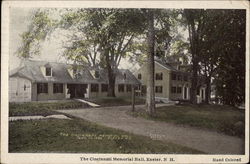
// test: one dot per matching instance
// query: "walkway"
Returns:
(58, 116)
(87, 102)
(203, 140)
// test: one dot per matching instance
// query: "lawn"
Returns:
(41, 108)
(116, 101)
(77, 135)
(224, 119)
(48, 108)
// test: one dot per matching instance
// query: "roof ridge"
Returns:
(15, 70)
(31, 60)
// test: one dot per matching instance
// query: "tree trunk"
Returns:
(194, 80)
(111, 86)
(150, 98)
(111, 76)
(208, 90)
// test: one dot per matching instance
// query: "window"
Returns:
(94, 88)
(104, 87)
(24, 87)
(121, 88)
(137, 87)
(179, 78)
(42, 88)
(48, 71)
(124, 76)
(173, 76)
(158, 89)
(57, 88)
(158, 76)
(139, 76)
(179, 90)
(173, 89)
(185, 78)
(97, 74)
(129, 88)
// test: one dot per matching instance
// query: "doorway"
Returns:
(77, 90)
(185, 93)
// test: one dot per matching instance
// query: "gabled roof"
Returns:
(168, 66)
(165, 65)
(32, 70)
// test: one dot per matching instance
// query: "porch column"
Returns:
(183, 92)
(88, 91)
(65, 90)
(204, 93)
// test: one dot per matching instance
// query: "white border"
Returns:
(75, 158)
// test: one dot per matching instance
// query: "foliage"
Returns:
(217, 45)
(41, 25)
(230, 74)
(101, 29)
(67, 136)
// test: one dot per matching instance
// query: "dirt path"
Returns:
(203, 140)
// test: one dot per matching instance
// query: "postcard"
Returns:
(125, 82)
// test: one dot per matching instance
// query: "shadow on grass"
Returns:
(223, 119)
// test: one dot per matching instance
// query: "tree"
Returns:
(195, 22)
(230, 72)
(217, 45)
(157, 39)
(150, 99)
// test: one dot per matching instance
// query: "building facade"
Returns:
(171, 82)
(41, 81)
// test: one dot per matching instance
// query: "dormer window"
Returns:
(139, 76)
(97, 74)
(124, 76)
(48, 71)
(74, 71)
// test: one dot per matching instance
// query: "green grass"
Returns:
(116, 101)
(54, 135)
(41, 108)
(224, 119)
(47, 108)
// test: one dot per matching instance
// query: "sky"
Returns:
(51, 49)
(19, 22)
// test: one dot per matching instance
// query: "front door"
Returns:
(77, 90)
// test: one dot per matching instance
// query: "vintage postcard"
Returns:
(125, 82)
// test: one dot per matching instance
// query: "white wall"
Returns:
(19, 89)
